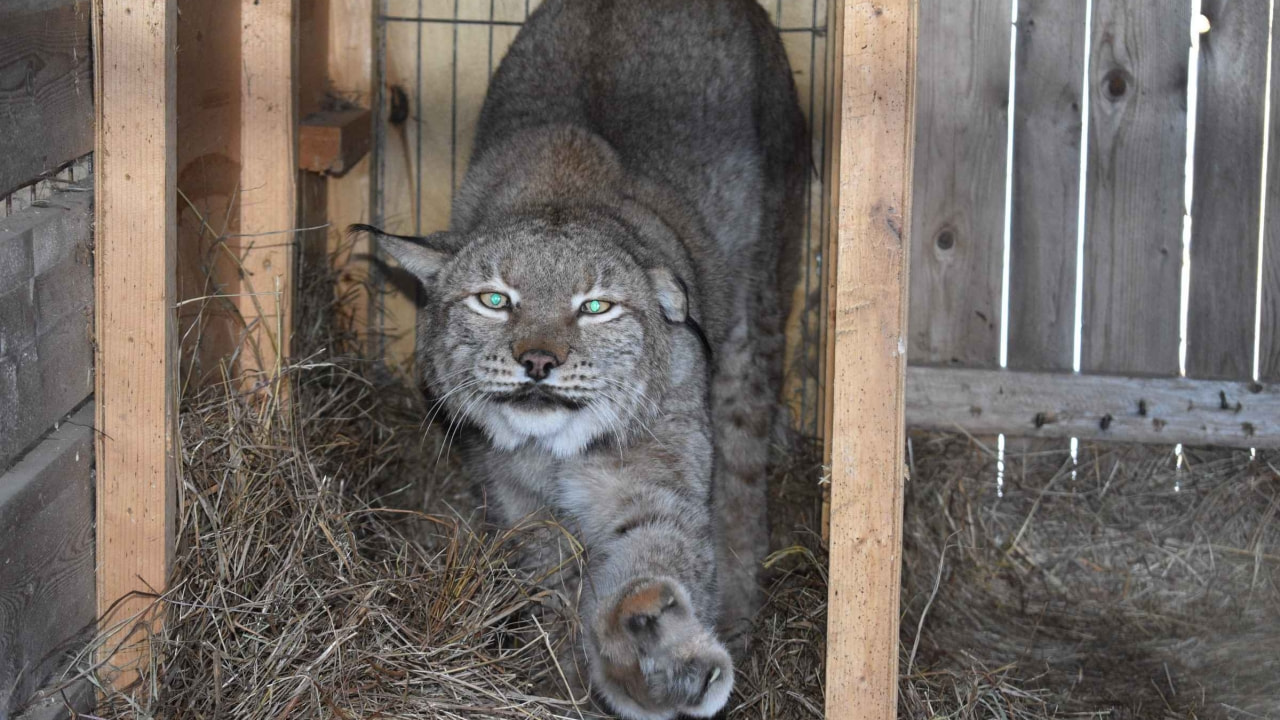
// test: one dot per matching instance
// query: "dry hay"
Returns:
(326, 568)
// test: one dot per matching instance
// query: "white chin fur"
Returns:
(560, 431)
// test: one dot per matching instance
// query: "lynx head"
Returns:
(543, 331)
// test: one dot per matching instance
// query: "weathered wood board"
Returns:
(961, 140)
(1269, 338)
(47, 600)
(1134, 191)
(1046, 184)
(46, 88)
(1162, 411)
(1227, 193)
(46, 315)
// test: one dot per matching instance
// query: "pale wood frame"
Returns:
(136, 359)
(136, 297)
(866, 348)
(873, 79)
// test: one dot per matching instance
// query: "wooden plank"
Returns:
(875, 141)
(46, 312)
(350, 73)
(135, 258)
(209, 185)
(47, 602)
(1097, 407)
(333, 141)
(1046, 184)
(46, 90)
(1134, 197)
(961, 142)
(1269, 337)
(268, 180)
(1227, 190)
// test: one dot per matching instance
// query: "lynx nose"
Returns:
(538, 364)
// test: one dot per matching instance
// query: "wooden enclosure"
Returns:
(1086, 204)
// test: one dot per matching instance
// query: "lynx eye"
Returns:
(595, 307)
(494, 300)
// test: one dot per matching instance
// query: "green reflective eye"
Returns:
(596, 307)
(494, 301)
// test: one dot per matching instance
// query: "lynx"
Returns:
(605, 314)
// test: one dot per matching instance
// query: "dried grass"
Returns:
(329, 567)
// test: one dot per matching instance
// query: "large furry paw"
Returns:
(654, 660)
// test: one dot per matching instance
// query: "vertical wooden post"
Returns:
(869, 335)
(268, 182)
(136, 291)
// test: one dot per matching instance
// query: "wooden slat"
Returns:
(875, 141)
(46, 316)
(961, 141)
(135, 261)
(268, 196)
(1134, 197)
(1227, 190)
(46, 95)
(1269, 339)
(46, 560)
(209, 182)
(1161, 411)
(1046, 184)
(350, 71)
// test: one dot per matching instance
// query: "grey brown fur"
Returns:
(649, 154)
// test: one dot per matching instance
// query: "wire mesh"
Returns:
(433, 61)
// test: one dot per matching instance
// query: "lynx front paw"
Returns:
(653, 659)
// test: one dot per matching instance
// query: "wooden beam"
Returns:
(333, 141)
(137, 349)
(268, 181)
(46, 97)
(875, 145)
(1095, 407)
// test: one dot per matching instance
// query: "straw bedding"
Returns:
(330, 565)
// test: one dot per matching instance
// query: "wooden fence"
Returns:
(46, 345)
(1095, 111)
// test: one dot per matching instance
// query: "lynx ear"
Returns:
(421, 256)
(672, 295)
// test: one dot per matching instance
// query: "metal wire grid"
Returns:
(802, 24)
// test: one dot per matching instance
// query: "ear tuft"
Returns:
(672, 297)
(421, 256)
